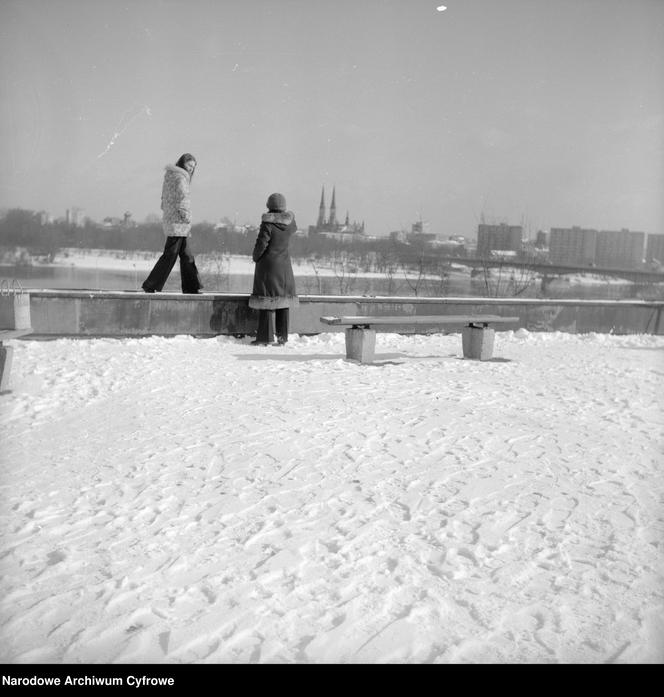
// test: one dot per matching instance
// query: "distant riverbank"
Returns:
(107, 269)
(119, 260)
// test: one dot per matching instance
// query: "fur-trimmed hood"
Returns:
(278, 218)
(174, 169)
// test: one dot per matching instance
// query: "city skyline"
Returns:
(535, 113)
(78, 216)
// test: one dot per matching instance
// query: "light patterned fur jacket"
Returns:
(175, 202)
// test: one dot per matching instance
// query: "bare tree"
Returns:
(438, 277)
(345, 270)
(218, 264)
(415, 268)
(387, 262)
(314, 265)
(502, 277)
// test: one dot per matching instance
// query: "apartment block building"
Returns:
(501, 237)
(577, 246)
(655, 249)
(574, 246)
(75, 216)
(620, 249)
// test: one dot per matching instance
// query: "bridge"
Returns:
(545, 270)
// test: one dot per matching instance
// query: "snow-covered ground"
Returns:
(105, 259)
(231, 263)
(205, 500)
(588, 279)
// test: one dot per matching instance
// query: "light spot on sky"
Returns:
(143, 110)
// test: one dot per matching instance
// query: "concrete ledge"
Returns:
(85, 313)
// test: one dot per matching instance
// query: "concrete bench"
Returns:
(14, 323)
(477, 335)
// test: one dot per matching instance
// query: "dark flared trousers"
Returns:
(175, 247)
(266, 321)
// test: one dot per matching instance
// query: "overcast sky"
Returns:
(546, 113)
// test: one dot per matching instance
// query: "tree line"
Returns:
(24, 228)
(421, 269)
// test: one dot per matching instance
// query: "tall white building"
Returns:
(588, 247)
(574, 246)
(75, 216)
(620, 249)
(499, 237)
(655, 249)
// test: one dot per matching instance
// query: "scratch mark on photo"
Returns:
(122, 128)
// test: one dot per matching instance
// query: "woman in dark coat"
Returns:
(274, 284)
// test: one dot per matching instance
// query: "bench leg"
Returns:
(477, 343)
(5, 366)
(360, 344)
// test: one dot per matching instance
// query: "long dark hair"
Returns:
(183, 159)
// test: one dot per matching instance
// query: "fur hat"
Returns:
(276, 202)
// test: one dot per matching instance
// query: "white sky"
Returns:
(529, 111)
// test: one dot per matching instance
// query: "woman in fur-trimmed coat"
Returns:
(273, 293)
(176, 223)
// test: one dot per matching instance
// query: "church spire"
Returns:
(321, 209)
(333, 210)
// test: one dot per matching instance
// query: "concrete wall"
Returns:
(106, 313)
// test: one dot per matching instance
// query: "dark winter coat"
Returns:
(274, 283)
(175, 202)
